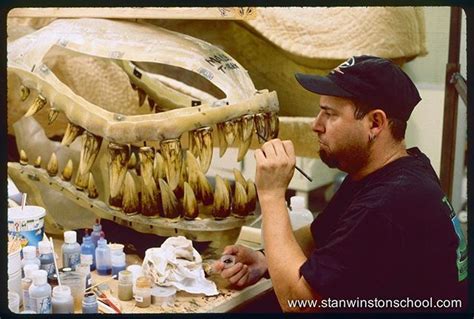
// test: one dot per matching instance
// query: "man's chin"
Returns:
(328, 160)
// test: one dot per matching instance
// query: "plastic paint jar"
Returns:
(40, 292)
(29, 257)
(89, 303)
(62, 301)
(163, 296)
(71, 250)
(117, 258)
(76, 282)
(143, 292)
(125, 285)
(102, 258)
(46, 257)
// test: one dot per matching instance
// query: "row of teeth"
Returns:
(266, 125)
(142, 186)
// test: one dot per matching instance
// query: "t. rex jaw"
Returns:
(141, 170)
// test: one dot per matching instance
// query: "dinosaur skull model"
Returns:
(146, 171)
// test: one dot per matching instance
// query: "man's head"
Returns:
(363, 98)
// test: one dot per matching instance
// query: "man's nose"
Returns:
(317, 125)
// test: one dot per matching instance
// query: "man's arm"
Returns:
(284, 254)
(275, 168)
(305, 239)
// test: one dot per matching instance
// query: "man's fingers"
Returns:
(279, 149)
(269, 149)
(235, 278)
(289, 148)
(244, 280)
(231, 271)
(217, 266)
(230, 250)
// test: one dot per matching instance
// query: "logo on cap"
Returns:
(348, 63)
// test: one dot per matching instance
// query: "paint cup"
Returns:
(26, 224)
(14, 262)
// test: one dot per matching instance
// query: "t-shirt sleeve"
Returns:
(347, 260)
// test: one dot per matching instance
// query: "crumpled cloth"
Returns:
(176, 263)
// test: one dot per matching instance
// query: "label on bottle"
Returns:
(138, 298)
(73, 260)
(41, 304)
(49, 268)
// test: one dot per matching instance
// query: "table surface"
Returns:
(227, 299)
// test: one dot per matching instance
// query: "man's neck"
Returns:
(379, 158)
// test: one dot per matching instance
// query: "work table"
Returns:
(227, 299)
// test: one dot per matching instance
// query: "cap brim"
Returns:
(321, 85)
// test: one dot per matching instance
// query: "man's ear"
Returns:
(377, 120)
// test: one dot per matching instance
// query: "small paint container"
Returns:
(163, 296)
(27, 224)
(228, 260)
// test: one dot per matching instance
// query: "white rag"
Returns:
(176, 263)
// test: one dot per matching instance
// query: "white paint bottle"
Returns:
(40, 292)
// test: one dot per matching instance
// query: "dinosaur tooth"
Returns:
(23, 157)
(130, 202)
(67, 171)
(24, 92)
(91, 188)
(90, 148)
(52, 167)
(71, 133)
(240, 201)
(37, 105)
(190, 205)
(222, 204)
(119, 156)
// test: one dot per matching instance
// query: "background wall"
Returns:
(425, 127)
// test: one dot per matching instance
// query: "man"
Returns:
(387, 233)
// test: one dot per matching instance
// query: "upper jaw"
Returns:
(108, 140)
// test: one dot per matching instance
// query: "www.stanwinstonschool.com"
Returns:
(375, 303)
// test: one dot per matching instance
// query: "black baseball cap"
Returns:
(376, 81)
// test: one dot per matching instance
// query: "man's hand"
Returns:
(275, 167)
(249, 267)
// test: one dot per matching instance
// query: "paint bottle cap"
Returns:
(29, 252)
(70, 237)
(40, 277)
(297, 202)
(44, 247)
(125, 276)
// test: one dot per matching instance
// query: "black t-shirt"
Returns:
(387, 236)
